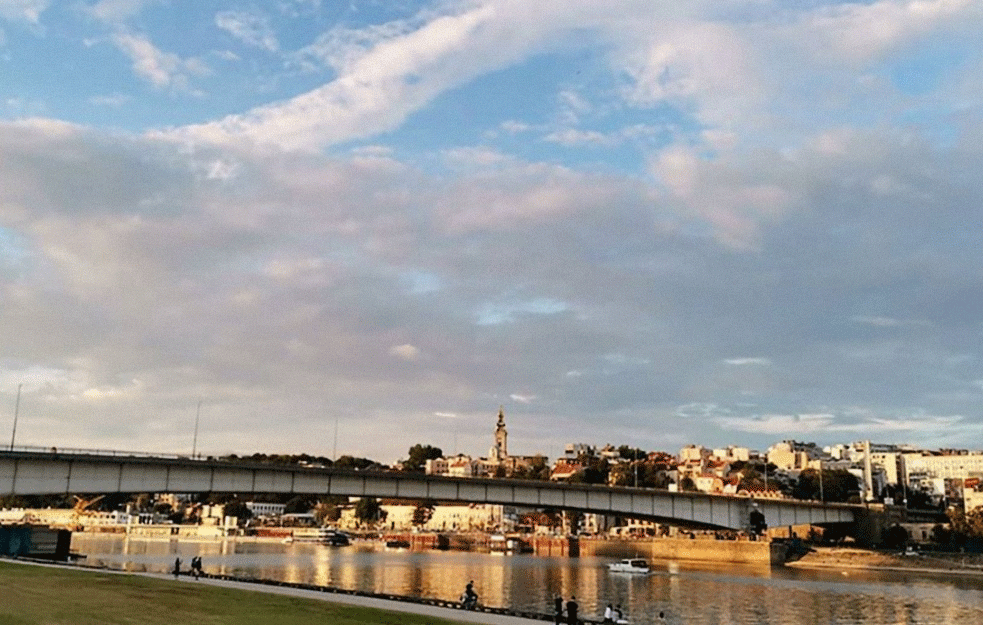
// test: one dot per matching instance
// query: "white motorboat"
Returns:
(629, 565)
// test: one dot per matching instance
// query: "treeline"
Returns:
(343, 462)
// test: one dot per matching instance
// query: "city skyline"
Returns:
(359, 226)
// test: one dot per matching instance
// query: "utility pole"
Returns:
(13, 434)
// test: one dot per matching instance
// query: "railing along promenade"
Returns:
(39, 471)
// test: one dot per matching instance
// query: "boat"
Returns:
(500, 543)
(629, 565)
(397, 543)
(320, 535)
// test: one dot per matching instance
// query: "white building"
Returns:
(732, 454)
(945, 466)
(449, 518)
(262, 508)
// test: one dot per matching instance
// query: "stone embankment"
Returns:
(862, 559)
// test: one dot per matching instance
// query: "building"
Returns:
(578, 450)
(499, 451)
(444, 518)
(732, 454)
(943, 464)
(794, 456)
(498, 462)
(262, 508)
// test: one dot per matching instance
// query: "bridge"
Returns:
(25, 472)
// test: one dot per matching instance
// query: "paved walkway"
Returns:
(465, 616)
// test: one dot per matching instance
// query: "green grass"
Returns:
(34, 595)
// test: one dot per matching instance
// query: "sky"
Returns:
(348, 227)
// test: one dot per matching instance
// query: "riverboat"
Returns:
(629, 565)
(320, 535)
(500, 543)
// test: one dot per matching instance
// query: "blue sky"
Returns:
(718, 222)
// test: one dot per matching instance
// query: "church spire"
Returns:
(500, 451)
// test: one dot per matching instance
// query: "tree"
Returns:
(350, 462)
(687, 484)
(326, 512)
(537, 469)
(895, 537)
(595, 471)
(423, 512)
(237, 509)
(298, 505)
(967, 524)
(368, 510)
(631, 453)
(418, 456)
(836, 486)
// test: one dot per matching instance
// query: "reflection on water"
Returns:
(688, 593)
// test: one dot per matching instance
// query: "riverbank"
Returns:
(37, 594)
(838, 558)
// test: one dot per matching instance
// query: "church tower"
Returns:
(500, 451)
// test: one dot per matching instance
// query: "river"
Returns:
(694, 594)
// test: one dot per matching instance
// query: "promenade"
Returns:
(450, 614)
(341, 598)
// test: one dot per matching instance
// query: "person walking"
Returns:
(572, 611)
(609, 614)
(177, 567)
(557, 610)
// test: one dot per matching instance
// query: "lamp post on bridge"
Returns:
(194, 443)
(13, 434)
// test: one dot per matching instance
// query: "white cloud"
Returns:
(735, 201)
(114, 100)
(161, 69)
(23, 10)
(861, 32)
(887, 322)
(522, 398)
(813, 424)
(571, 137)
(709, 65)
(117, 12)
(405, 352)
(779, 425)
(250, 27)
(740, 362)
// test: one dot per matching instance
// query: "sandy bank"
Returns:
(844, 558)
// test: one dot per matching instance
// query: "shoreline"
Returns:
(841, 558)
(819, 558)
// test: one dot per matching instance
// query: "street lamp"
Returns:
(194, 444)
(13, 435)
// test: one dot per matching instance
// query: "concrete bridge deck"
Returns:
(60, 471)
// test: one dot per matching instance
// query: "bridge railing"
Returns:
(80, 451)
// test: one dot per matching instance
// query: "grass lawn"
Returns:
(35, 595)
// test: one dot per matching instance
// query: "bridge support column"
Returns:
(870, 523)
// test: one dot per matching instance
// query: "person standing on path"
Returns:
(572, 611)
(557, 610)
(177, 567)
